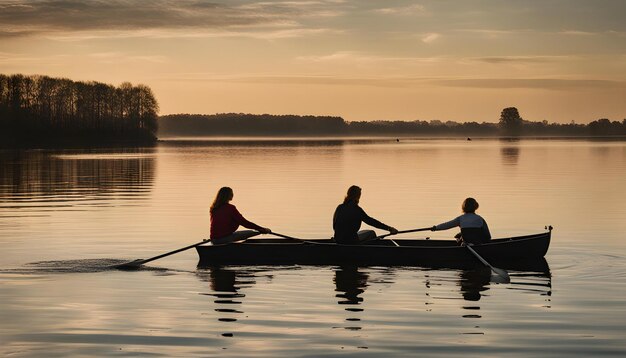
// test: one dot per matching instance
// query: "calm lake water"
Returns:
(66, 215)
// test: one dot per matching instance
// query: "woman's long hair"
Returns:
(224, 195)
(353, 194)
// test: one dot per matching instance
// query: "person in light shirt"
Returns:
(474, 229)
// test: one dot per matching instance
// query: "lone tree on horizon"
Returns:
(510, 121)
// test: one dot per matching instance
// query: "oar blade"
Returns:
(497, 271)
(501, 275)
(131, 265)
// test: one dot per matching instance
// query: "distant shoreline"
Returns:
(244, 125)
(91, 143)
(76, 141)
(381, 137)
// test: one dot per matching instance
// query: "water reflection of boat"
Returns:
(225, 285)
(228, 290)
(505, 252)
(531, 276)
(474, 281)
(349, 284)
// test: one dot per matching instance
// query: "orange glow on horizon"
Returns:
(357, 60)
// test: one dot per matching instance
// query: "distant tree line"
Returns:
(240, 124)
(41, 109)
(423, 128)
(512, 124)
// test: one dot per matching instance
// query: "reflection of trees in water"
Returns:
(510, 155)
(264, 143)
(52, 176)
(509, 150)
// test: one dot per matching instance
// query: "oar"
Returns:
(136, 263)
(402, 232)
(498, 271)
(289, 237)
(285, 236)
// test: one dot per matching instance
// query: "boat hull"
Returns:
(434, 253)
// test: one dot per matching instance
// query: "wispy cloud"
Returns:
(499, 33)
(554, 84)
(388, 82)
(6, 33)
(19, 59)
(517, 59)
(593, 33)
(358, 57)
(257, 33)
(492, 33)
(118, 57)
(577, 33)
(534, 83)
(68, 17)
(115, 58)
(302, 8)
(402, 10)
(430, 37)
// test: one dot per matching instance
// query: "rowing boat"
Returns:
(439, 253)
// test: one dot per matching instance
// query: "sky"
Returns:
(461, 60)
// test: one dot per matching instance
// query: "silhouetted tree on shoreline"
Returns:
(36, 109)
(511, 122)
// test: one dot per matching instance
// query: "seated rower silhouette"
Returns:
(348, 218)
(474, 229)
(225, 219)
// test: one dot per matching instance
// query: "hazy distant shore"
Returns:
(45, 112)
(250, 125)
(203, 140)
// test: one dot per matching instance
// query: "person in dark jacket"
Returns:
(225, 219)
(348, 218)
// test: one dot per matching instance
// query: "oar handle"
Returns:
(404, 232)
(285, 236)
(414, 230)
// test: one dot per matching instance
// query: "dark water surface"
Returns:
(67, 216)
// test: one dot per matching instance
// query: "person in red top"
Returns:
(225, 219)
